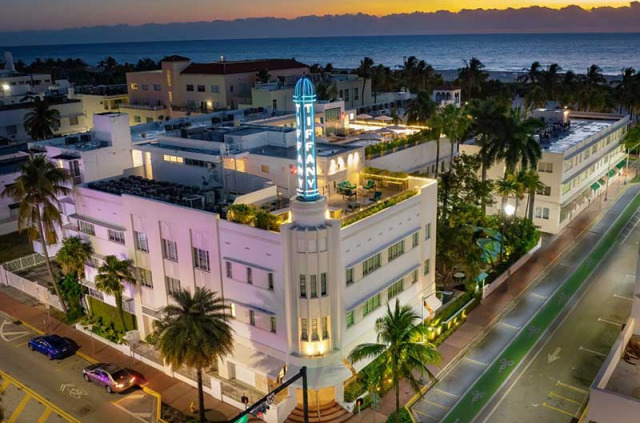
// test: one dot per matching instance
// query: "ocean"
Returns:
(499, 52)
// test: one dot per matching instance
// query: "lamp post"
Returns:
(509, 210)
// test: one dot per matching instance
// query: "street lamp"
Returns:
(509, 210)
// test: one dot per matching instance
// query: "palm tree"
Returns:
(549, 80)
(326, 90)
(420, 108)
(507, 187)
(436, 124)
(399, 351)
(263, 75)
(37, 190)
(531, 184)
(42, 121)
(455, 123)
(532, 74)
(73, 254)
(194, 332)
(515, 143)
(364, 71)
(535, 98)
(472, 77)
(110, 278)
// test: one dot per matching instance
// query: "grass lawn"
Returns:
(13, 246)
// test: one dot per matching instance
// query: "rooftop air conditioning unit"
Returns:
(194, 201)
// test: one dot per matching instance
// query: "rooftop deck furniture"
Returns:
(376, 196)
(370, 185)
(353, 206)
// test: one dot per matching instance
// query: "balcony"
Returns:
(143, 107)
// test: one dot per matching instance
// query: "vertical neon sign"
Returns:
(304, 97)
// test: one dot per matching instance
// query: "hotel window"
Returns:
(232, 309)
(252, 317)
(314, 286)
(415, 239)
(346, 95)
(545, 190)
(86, 228)
(156, 87)
(325, 328)
(371, 304)
(371, 264)
(427, 266)
(545, 167)
(323, 284)
(145, 277)
(396, 250)
(303, 286)
(189, 87)
(229, 268)
(273, 324)
(395, 289)
(172, 159)
(304, 329)
(73, 120)
(145, 87)
(170, 250)
(215, 89)
(314, 330)
(264, 168)
(414, 277)
(249, 276)
(201, 88)
(149, 120)
(350, 319)
(355, 94)
(173, 284)
(133, 86)
(349, 276)
(341, 95)
(116, 236)
(542, 213)
(201, 259)
(270, 281)
(137, 119)
(427, 231)
(141, 241)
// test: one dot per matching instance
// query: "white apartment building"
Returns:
(582, 155)
(305, 295)
(447, 94)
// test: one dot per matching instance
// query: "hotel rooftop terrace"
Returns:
(579, 130)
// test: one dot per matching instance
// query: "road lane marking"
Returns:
(591, 351)
(553, 394)
(19, 408)
(622, 297)
(422, 413)
(535, 294)
(33, 328)
(43, 418)
(600, 319)
(582, 391)
(559, 410)
(449, 394)
(61, 367)
(510, 326)
(21, 344)
(4, 385)
(86, 357)
(437, 405)
(479, 363)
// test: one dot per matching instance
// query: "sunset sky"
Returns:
(47, 14)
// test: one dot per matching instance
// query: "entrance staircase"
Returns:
(328, 413)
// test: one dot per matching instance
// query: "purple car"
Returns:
(112, 377)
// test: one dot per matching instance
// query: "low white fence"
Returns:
(488, 289)
(23, 262)
(35, 290)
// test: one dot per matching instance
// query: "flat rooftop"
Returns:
(579, 130)
(322, 150)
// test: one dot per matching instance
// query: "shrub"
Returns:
(354, 389)
(253, 216)
(400, 416)
(378, 207)
(383, 172)
(241, 213)
(410, 141)
(108, 315)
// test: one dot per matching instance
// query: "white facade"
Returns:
(447, 95)
(573, 167)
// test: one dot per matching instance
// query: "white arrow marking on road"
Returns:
(555, 356)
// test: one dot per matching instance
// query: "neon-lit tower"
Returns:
(304, 98)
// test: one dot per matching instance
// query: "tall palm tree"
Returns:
(507, 187)
(472, 77)
(436, 126)
(37, 190)
(535, 98)
(420, 108)
(73, 254)
(515, 143)
(549, 80)
(399, 352)
(531, 184)
(41, 122)
(365, 70)
(194, 332)
(326, 90)
(455, 123)
(111, 278)
(531, 74)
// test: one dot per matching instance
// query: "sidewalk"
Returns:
(493, 306)
(174, 393)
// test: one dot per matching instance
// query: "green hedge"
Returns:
(391, 201)
(401, 143)
(250, 215)
(384, 172)
(109, 315)
(400, 416)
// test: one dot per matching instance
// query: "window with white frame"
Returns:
(229, 269)
(201, 259)
(173, 284)
(542, 213)
(414, 277)
(116, 236)
(395, 289)
(371, 304)
(323, 283)
(545, 167)
(427, 231)
(314, 330)
(371, 264)
(325, 327)
(170, 250)
(396, 250)
(303, 286)
(304, 329)
(86, 227)
(349, 276)
(144, 276)
(350, 319)
(313, 281)
(141, 241)
(415, 240)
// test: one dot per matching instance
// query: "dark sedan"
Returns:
(53, 346)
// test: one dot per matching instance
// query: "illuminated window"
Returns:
(273, 324)
(264, 169)
(172, 159)
(325, 328)
(133, 86)
(314, 330)
(304, 329)
(232, 307)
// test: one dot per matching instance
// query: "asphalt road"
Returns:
(58, 381)
(552, 384)
(471, 382)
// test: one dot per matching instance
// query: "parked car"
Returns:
(112, 377)
(53, 346)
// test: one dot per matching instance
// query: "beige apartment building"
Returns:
(182, 86)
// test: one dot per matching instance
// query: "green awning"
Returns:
(601, 181)
(482, 276)
(595, 186)
(622, 164)
(611, 173)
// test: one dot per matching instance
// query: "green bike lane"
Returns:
(495, 374)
